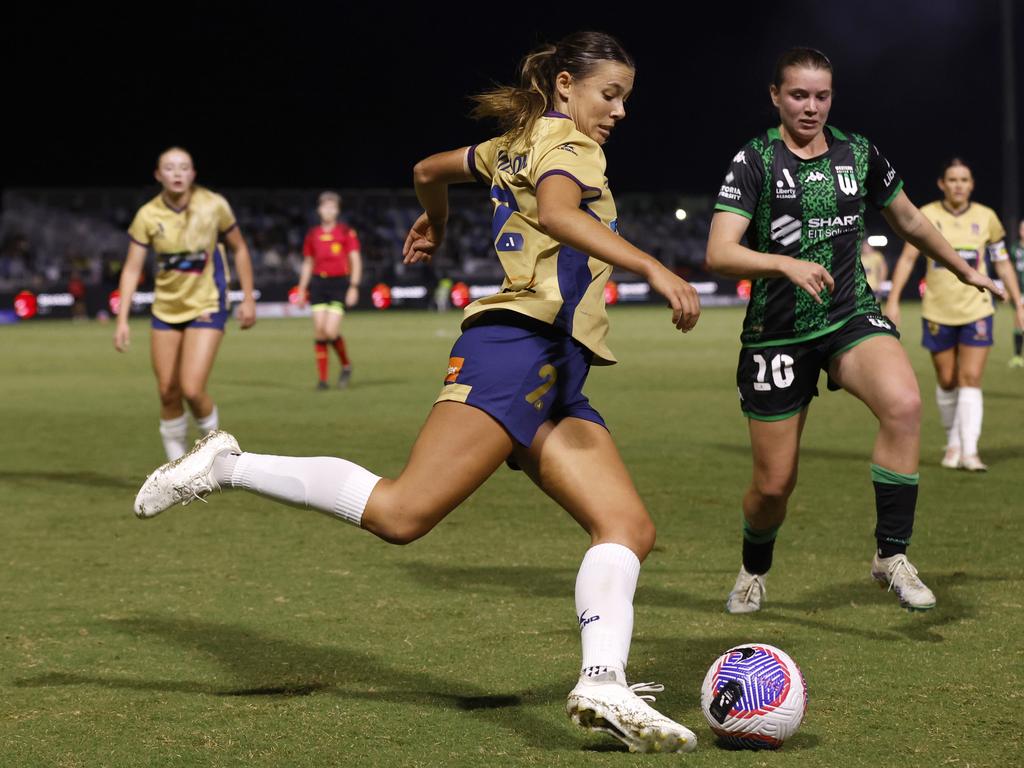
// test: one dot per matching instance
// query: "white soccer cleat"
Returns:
(973, 464)
(901, 577)
(185, 479)
(608, 705)
(951, 458)
(747, 593)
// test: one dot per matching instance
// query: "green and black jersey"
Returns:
(811, 210)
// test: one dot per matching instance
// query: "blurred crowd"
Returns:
(53, 239)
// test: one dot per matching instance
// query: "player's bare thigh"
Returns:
(878, 372)
(165, 353)
(970, 365)
(326, 324)
(198, 352)
(577, 464)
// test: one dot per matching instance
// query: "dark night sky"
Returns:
(299, 94)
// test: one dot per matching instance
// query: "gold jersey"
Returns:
(972, 233)
(192, 274)
(545, 279)
(874, 266)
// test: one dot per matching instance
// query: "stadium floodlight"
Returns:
(680, 214)
(878, 241)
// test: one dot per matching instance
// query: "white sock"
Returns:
(174, 433)
(208, 423)
(946, 399)
(333, 486)
(969, 411)
(604, 606)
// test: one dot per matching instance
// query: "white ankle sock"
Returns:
(174, 434)
(604, 606)
(969, 411)
(208, 423)
(946, 399)
(333, 486)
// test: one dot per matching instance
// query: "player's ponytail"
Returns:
(517, 107)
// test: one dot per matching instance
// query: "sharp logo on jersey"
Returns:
(569, 148)
(847, 179)
(786, 230)
(830, 226)
(741, 157)
(787, 190)
(816, 176)
(454, 369)
(511, 165)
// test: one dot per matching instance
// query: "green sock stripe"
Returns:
(759, 537)
(883, 475)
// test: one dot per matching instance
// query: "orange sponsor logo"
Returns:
(454, 369)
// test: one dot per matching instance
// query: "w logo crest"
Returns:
(847, 179)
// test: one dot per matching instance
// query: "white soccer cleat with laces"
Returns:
(185, 479)
(901, 577)
(608, 705)
(747, 593)
(951, 459)
(973, 464)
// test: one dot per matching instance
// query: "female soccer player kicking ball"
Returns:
(514, 384)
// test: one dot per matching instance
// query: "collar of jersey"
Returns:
(556, 113)
(831, 135)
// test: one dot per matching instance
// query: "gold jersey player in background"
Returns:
(876, 271)
(957, 318)
(184, 225)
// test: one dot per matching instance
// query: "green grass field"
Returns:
(244, 633)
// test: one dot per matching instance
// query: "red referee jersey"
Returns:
(329, 249)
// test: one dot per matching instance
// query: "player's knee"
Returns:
(905, 409)
(170, 394)
(969, 379)
(774, 489)
(192, 393)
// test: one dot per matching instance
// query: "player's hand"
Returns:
(301, 299)
(982, 283)
(892, 310)
(682, 297)
(247, 313)
(122, 337)
(812, 277)
(422, 241)
(352, 296)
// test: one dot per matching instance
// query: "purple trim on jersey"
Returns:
(583, 187)
(953, 213)
(233, 226)
(220, 280)
(573, 280)
(137, 242)
(502, 213)
(471, 160)
(176, 210)
(556, 113)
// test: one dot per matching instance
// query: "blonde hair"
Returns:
(518, 107)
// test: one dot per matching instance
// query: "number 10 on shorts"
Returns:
(782, 372)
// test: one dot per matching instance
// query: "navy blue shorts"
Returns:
(520, 371)
(216, 320)
(937, 337)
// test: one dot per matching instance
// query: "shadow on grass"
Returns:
(92, 479)
(251, 659)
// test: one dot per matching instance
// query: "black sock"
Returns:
(1018, 342)
(895, 503)
(758, 548)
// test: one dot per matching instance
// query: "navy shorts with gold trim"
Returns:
(936, 337)
(521, 371)
(776, 382)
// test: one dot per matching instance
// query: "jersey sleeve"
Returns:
(138, 231)
(883, 183)
(581, 161)
(307, 246)
(353, 240)
(225, 216)
(481, 158)
(741, 187)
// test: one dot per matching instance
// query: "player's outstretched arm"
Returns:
(243, 266)
(912, 225)
(727, 256)
(560, 216)
(130, 273)
(431, 177)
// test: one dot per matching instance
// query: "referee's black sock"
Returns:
(895, 503)
(758, 548)
(1018, 342)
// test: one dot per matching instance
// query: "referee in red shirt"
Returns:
(331, 270)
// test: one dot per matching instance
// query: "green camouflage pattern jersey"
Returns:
(812, 210)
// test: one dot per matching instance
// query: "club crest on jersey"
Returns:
(454, 369)
(847, 179)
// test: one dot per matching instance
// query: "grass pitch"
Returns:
(245, 633)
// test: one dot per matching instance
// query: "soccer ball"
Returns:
(754, 696)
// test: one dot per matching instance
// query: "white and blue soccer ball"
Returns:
(754, 696)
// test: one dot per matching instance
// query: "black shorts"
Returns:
(327, 291)
(777, 382)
